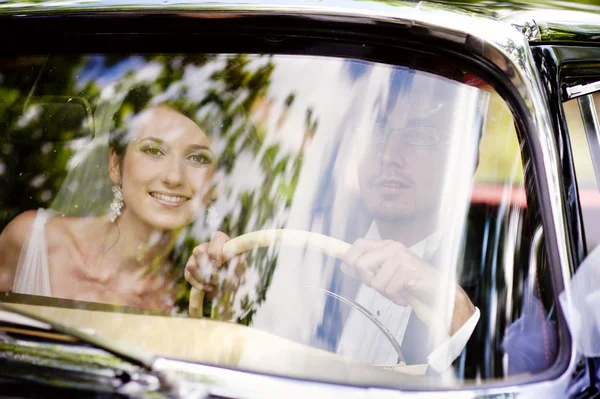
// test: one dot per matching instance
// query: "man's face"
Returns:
(401, 170)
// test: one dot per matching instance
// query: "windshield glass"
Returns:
(286, 214)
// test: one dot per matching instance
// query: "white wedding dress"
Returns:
(32, 276)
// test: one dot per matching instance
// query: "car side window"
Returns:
(584, 133)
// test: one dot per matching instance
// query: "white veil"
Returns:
(85, 191)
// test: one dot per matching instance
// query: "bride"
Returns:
(162, 171)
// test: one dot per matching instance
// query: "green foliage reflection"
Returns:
(223, 94)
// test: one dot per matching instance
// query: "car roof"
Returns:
(538, 20)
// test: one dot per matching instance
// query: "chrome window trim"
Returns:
(581, 90)
(240, 384)
(555, 26)
(591, 126)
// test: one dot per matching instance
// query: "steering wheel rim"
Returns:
(288, 237)
(304, 239)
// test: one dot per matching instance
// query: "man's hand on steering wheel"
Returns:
(395, 272)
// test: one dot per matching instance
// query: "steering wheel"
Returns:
(304, 239)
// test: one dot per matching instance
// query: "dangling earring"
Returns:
(116, 204)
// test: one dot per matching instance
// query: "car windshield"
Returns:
(303, 216)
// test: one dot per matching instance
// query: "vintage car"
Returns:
(409, 187)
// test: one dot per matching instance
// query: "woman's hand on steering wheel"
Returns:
(204, 267)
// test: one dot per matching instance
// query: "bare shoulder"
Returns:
(62, 232)
(11, 241)
(17, 230)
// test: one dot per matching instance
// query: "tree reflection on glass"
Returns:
(228, 96)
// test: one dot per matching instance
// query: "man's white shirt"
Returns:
(369, 344)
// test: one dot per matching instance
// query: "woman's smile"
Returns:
(169, 200)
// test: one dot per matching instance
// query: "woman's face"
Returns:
(167, 169)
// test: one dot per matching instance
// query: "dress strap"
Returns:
(32, 276)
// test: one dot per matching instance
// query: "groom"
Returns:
(401, 179)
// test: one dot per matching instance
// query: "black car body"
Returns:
(535, 57)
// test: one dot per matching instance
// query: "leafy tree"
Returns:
(39, 148)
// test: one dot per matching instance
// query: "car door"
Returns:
(571, 75)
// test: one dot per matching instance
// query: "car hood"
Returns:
(219, 343)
